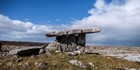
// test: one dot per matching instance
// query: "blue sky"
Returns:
(29, 20)
(44, 11)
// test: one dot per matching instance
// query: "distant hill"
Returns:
(22, 43)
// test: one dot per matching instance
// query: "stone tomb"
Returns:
(71, 40)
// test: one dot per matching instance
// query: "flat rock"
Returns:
(73, 31)
(72, 53)
(77, 63)
(93, 30)
(26, 51)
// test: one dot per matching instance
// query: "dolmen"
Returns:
(66, 41)
(69, 40)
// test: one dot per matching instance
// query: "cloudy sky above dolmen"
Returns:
(29, 20)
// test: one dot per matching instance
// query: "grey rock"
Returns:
(81, 50)
(123, 68)
(19, 60)
(56, 33)
(91, 64)
(24, 65)
(25, 51)
(48, 54)
(89, 51)
(78, 47)
(44, 46)
(9, 63)
(73, 46)
(93, 30)
(78, 52)
(41, 51)
(72, 53)
(57, 51)
(73, 31)
(52, 46)
(63, 47)
(77, 63)
(41, 65)
(130, 68)
(33, 56)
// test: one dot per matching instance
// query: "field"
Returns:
(102, 58)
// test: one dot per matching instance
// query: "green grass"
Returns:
(59, 61)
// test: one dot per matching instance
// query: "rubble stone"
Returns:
(41, 65)
(41, 51)
(77, 63)
(72, 53)
(19, 59)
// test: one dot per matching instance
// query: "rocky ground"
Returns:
(63, 61)
(89, 58)
(127, 53)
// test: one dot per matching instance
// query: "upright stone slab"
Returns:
(81, 40)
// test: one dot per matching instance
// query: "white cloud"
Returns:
(23, 31)
(119, 22)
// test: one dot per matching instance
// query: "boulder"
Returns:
(25, 51)
(52, 46)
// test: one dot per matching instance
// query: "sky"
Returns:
(30, 20)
